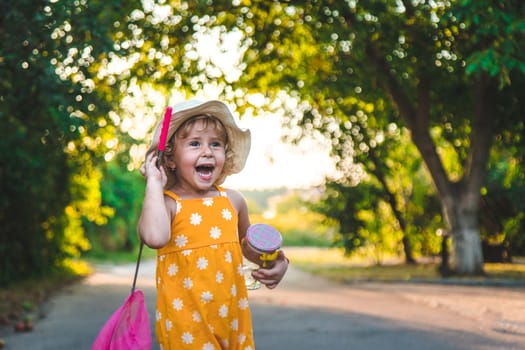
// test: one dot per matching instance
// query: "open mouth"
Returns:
(205, 171)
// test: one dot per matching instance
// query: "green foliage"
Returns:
(450, 66)
(258, 199)
(496, 29)
(341, 203)
(381, 239)
(299, 225)
(54, 128)
(450, 72)
(503, 209)
(123, 192)
(397, 200)
(289, 213)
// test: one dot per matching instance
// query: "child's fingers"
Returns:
(270, 284)
(267, 277)
(271, 277)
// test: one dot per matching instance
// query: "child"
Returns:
(196, 225)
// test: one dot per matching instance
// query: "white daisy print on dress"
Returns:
(242, 338)
(158, 315)
(187, 283)
(234, 290)
(226, 214)
(223, 311)
(168, 325)
(207, 202)
(195, 219)
(215, 232)
(181, 240)
(172, 270)
(243, 303)
(186, 252)
(187, 338)
(219, 277)
(228, 256)
(234, 324)
(179, 207)
(206, 297)
(202, 263)
(196, 317)
(208, 346)
(177, 304)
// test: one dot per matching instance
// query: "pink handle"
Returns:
(164, 130)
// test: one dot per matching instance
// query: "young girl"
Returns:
(196, 225)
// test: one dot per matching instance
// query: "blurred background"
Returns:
(382, 130)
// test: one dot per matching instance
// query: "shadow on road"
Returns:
(306, 328)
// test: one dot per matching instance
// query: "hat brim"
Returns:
(239, 140)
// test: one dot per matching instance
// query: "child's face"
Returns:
(199, 155)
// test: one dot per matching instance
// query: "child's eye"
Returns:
(194, 143)
(216, 144)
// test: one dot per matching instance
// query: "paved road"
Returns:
(306, 312)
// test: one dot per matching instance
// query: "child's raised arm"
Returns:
(155, 219)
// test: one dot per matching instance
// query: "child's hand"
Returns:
(271, 277)
(151, 172)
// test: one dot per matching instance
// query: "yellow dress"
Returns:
(202, 300)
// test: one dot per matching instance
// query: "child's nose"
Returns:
(207, 150)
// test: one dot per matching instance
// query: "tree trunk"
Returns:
(468, 257)
(444, 268)
(407, 248)
(460, 200)
(461, 213)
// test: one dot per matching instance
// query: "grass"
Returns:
(332, 263)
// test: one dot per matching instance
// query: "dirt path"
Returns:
(398, 315)
(306, 312)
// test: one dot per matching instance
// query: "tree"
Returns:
(54, 127)
(360, 204)
(449, 71)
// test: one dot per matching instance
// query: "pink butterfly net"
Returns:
(128, 328)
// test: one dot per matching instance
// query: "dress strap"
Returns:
(172, 195)
(220, 189)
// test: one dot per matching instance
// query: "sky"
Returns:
(272, 163)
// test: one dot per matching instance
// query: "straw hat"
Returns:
(239, 140)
